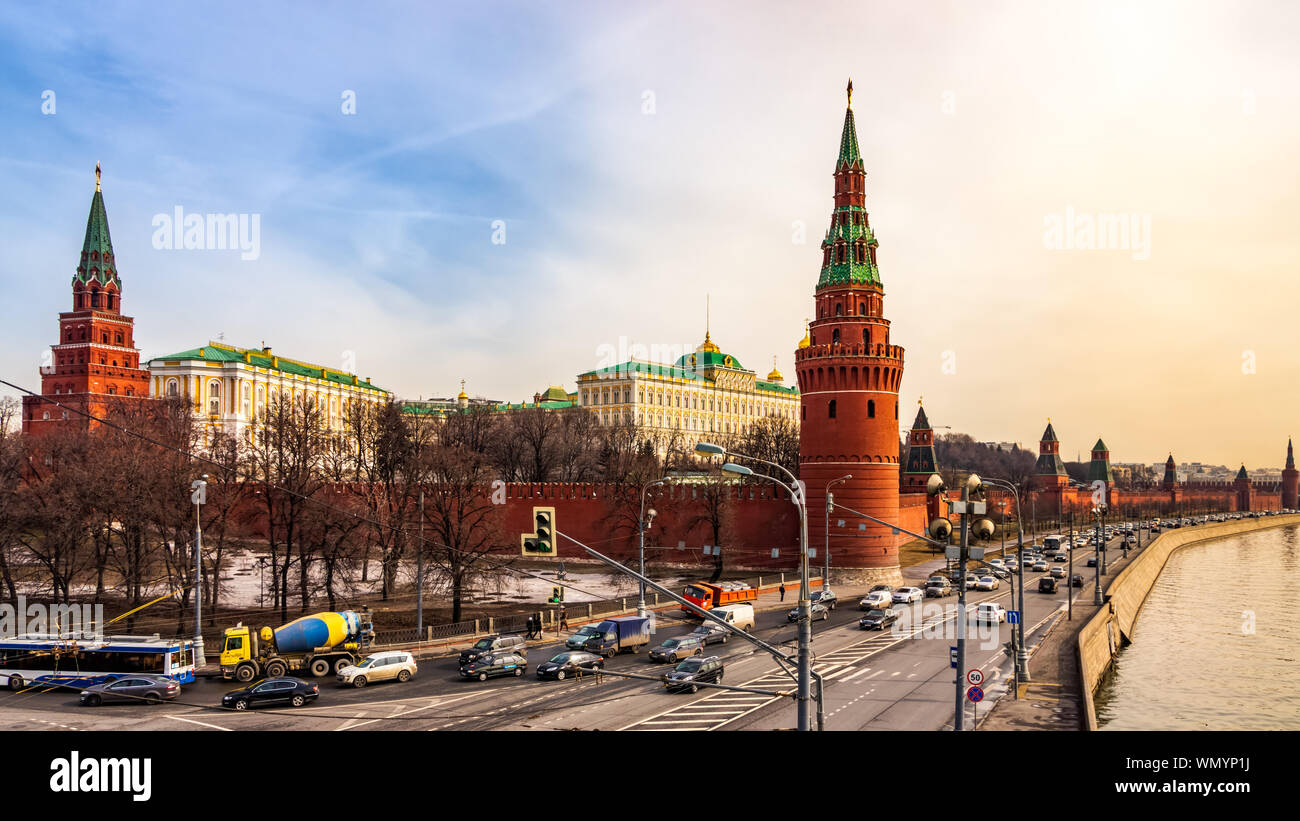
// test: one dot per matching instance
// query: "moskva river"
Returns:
(1217, 644)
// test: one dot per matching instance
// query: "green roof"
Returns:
(709, 359)
(218, 352)
(1241, 474)
(692, 373)
(652, 368)
(555, 393)
(97, 261)
(1049, 435)
(1100, 446)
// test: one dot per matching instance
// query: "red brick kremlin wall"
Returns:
(604, 517)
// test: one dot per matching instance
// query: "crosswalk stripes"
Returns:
(725, 706)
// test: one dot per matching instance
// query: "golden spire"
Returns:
(96, 176)
(850, 91)
(707, 346)
(920, 400)
(775, 375)
(806, 341)
(462, 394)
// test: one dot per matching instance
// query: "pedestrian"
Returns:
(532, 627)
(782, 589)
(564, 620)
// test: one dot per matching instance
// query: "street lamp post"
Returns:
(1069, 582)
(1021, 661)
(199, 497)
(643, 524)
(1096, 598)
(830, 503)
(797, 495)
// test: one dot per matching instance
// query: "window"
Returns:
(871, 409)
(839, 309)
(862, 309)
(866, 336)
(172, 387)
(830, 409)
(118, 339)
(214, 398)
(835, 336)
(248, 402)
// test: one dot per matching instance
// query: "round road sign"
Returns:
(975, 676)
(975, 694)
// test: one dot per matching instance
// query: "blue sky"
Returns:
(978, 122)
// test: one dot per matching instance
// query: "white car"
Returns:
(391, 665)
(986, 583)
(972, 581)
(1040, 565)
(879, 600)
(990, 612)
(907, 595)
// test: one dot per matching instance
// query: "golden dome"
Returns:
(806, 341)
(707, 346)
(775, 375)
(462, 394)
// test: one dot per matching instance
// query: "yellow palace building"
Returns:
(707, 391)
(230, 387)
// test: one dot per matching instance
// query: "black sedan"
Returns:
(271, 691)
(1047, 585)
(136, 689)
(570, 663)
(1092, 561)
(1076, 580)
(878, 619)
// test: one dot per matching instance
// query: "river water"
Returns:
(1217, 644)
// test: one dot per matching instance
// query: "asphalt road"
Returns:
(898, 679)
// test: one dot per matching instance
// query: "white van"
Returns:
(740, 616)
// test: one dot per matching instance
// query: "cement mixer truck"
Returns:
(320, 644)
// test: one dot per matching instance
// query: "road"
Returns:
(892, 680)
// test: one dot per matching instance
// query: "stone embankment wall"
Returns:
(1103, 636)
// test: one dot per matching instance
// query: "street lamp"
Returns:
(1098, 512)
(830, 503)
(199, 496)
(643, 524)
(1021, 660)
(796, 490)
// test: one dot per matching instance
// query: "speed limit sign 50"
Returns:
(975, 677)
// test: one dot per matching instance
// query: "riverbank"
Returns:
(1071, 662)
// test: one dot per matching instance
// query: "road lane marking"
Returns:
(203, 723)
(863, 671)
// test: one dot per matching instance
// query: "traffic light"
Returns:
(541, 542)
(557, 595)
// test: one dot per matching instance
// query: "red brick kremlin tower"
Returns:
(849, 376)
(1290, 481)
(95, 357)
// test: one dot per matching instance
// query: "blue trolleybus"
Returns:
(56, 661)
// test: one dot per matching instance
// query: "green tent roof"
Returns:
(97, 260)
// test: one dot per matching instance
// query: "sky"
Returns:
(507, 192)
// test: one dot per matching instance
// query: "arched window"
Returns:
(117, 339)
(830, 409)
(866, 336)
(248, 400)
(172, 387)
(871, 409)
(835, 336)
(839, 309)
(214, 398)
(862, 309)
(261, 400)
